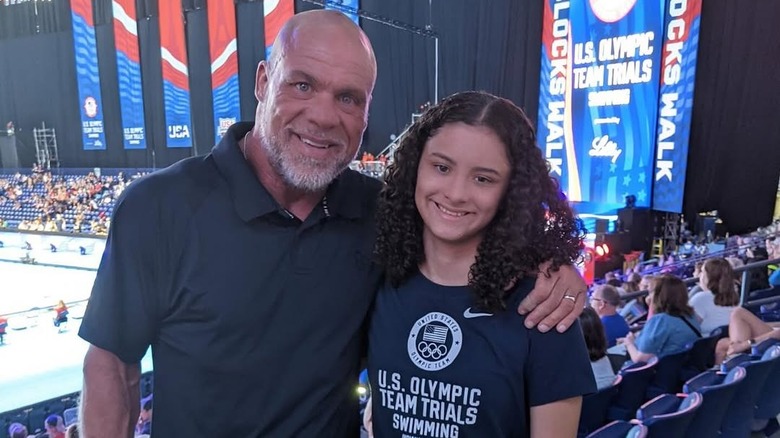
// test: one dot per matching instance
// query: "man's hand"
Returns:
(557, 299)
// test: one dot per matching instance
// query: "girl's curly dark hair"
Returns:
(532, 225)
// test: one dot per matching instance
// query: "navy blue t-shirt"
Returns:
(438, 367)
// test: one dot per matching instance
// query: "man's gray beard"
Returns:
(300, 172)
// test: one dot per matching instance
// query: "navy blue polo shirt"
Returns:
(255, 318)
(438, 367)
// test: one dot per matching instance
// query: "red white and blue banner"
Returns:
(87, 76)
(345, 6)
(175, 75)
(678, 74)
(599, 98)
(277, 12)
(128, 63)
(224, 64)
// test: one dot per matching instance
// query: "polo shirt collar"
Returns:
(251, 199)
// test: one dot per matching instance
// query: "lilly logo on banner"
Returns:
(604, 147)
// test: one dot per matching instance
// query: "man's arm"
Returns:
(557, 299)
(110, 401)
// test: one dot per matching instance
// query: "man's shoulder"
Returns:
(361, 189)
(362, 185)
(178, 184)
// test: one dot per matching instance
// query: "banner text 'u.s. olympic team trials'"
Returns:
(602, 64)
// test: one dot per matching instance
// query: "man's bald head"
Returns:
(313, 97)
(322, 24)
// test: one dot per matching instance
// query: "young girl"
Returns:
(468, 213)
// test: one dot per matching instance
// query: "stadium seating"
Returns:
(739, 418)
(595, 407)
(717, 391)
(620, 429)
(631, 393)
(668, 416)
(668, 375)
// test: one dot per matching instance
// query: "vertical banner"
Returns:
(675, 106)
(345, 6)
(87, 77)
(128, 65)
(176, 84)
(598, 97)
(277, 12)
(224, 64)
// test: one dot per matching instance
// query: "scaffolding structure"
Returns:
(46, 151)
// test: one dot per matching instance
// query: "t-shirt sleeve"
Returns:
(127, 297)
(653, 335)
(558, 366)
(699, 304)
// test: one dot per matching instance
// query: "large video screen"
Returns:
(602, 66)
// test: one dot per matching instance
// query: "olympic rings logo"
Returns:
(432, 350)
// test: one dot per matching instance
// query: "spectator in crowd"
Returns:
(629, 287)
(17, 430)
(61, 316)
(718, 297)
(596, 341)
(774, 279)
(55, 426)
(3, 326)
(72, 431)
(635, 277)
(605, 301)
(293, 296)
(144, 426)
(759, 278)
(696, 274)
(745, 331)
(672, 327)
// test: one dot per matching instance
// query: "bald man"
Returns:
(248, 270)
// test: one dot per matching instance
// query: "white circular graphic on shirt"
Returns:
(434, 341)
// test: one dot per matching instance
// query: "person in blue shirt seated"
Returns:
(468, 213)
(671, 328)
(604, 301)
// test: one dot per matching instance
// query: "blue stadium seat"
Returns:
(620, 429)
(768, 403)
(668, 416)
(595, 406)
(631, 393)
(717, 391)
(668, 375)
(762, 347)
(739, 418)
(701, 356)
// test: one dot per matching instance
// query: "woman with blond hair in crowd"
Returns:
(718, 297)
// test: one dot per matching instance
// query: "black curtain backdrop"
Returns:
(38, 86)
(29, 18)
(251, 50)
(734, 156)
(201, 104)
(493, 46)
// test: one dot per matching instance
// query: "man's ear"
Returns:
(261, 81)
